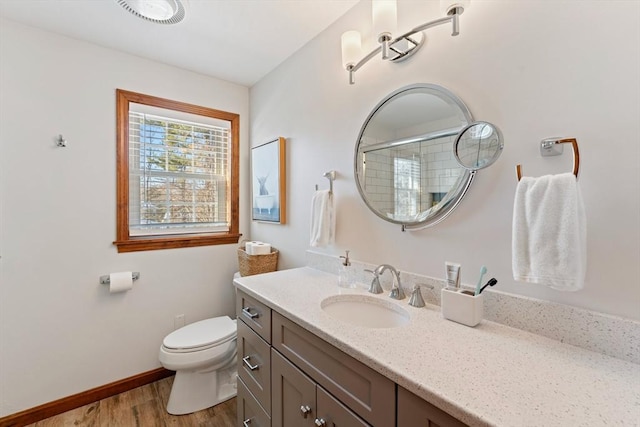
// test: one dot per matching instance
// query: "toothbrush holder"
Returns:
(462, 306)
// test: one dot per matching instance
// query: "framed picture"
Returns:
(268, 182)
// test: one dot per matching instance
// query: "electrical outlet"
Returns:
(178, 321)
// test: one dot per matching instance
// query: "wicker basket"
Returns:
(256, 264)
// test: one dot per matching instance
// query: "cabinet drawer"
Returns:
(255, 314)
(254, 365)
(413, 411)
(250, 413)
(368, 393)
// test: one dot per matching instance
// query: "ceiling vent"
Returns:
(158, 11)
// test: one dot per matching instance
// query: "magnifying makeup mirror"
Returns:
(478, 146)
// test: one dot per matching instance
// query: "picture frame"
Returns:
(268, 182)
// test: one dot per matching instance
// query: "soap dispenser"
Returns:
(346, 277)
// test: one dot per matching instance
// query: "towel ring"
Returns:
(547, 149)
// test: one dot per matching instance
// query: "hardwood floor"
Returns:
(142, 407)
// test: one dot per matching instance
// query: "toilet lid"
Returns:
(204, 333)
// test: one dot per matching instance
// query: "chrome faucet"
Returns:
(396, 292)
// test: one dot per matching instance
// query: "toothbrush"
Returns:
(483, 270)
(491, 282)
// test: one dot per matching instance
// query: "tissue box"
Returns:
(462, 306)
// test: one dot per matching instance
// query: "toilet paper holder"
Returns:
(104, 280)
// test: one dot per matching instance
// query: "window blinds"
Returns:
(178, 176)
(406, 182)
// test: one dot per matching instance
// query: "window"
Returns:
(406, 182)
(177, 174)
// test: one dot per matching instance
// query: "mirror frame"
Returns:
(467, 177)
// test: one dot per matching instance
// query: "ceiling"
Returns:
(235, 40)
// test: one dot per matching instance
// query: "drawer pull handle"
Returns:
(247, 312)
(249, 365)
(246, 422)
(320, 422)
(306, 410)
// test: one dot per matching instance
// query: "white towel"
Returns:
(322, 219)
(549, 243)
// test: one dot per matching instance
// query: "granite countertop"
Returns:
(489, 375)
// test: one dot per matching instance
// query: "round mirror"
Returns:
(478, 146)
(404, 164)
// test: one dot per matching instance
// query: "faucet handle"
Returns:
(416, 299)
(375, 287)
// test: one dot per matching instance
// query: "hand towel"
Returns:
(549, 244)
(322, 219)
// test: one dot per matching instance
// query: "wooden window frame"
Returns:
(126, 243)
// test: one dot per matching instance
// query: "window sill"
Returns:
(146, 243)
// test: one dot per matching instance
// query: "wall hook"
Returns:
(60, 141)
(331, 176)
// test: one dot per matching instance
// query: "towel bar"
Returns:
(547, 148)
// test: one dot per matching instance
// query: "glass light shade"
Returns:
(385, 17)
(351, 47)
(448, 5)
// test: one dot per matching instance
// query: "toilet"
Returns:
(203, 354)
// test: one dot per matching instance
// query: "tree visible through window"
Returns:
(177, 173)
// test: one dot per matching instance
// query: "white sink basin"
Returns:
(364, 310)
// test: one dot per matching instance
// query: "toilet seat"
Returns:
(201, 335)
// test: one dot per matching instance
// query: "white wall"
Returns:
(534, 68)
(61, 332)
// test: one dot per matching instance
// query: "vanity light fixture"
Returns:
(158, 11)
(399, 48)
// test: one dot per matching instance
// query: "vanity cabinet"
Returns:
(413, 411)
(291, 377)
(298, 401)
(366, 392)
